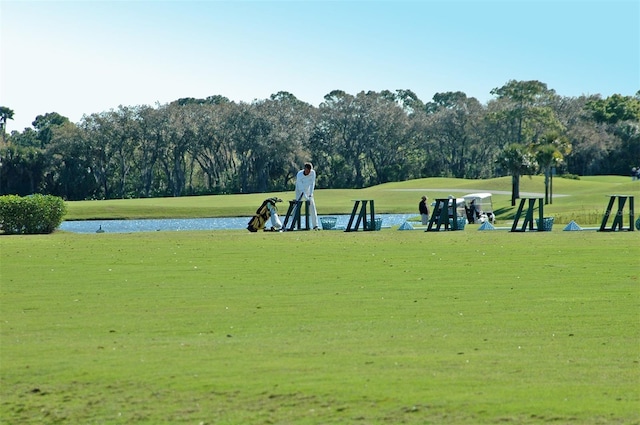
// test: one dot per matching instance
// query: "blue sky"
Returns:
(83, 57)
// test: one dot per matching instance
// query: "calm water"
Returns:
(223, 223)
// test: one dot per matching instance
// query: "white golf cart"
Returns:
(477, 208)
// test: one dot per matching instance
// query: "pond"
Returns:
(181, 224)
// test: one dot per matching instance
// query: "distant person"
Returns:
(424, 210)
(452, 206)
(634, 173)
(472, 211)
(475, 209)
(305, 185)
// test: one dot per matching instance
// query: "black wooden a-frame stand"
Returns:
(293, 213)
(368, 223)
(617, 223)
(528, 219)
(440, 216)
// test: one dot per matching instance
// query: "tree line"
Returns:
(213, 145)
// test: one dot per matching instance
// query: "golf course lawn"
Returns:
(388, 327)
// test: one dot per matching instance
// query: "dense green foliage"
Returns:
(213, 145)
(32, 214)
(388, 327)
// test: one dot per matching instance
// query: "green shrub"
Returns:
(570, 176)
(34, 214)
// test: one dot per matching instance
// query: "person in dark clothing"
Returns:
(424, 210)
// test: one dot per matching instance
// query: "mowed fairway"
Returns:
(389, 327)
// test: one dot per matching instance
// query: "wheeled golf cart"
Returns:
(477, 208)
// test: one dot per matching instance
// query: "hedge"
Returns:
(33, 214)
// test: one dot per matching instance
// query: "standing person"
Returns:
(305, 184)
(424, 210)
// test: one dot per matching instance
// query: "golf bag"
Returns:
(267, 211)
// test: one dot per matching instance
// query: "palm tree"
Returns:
(550, 151)
(517, 160)
(5, 114)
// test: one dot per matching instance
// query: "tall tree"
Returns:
(455, 133)
(550, 151)
(620, 116)
(5, 115)
(177, 160)
(615, 108)
(125, 137)
(95, 129)
(292, 121)
(390, 139)
(517, 160)
(340, 136)
(69, 173)
(350, 130)
(251, 143)
(45, 124)
(154, 123)
(589, 141)
(27, 138)
(526, 111)
(523, 115)
(215, 154)
(21, 169)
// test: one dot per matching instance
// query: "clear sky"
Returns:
(83, 57)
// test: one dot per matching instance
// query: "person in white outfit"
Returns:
(305, 184)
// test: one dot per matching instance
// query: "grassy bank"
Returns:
(230, 327)
(583, 200)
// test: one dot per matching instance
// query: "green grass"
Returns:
(586, 201)
(389, 327)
